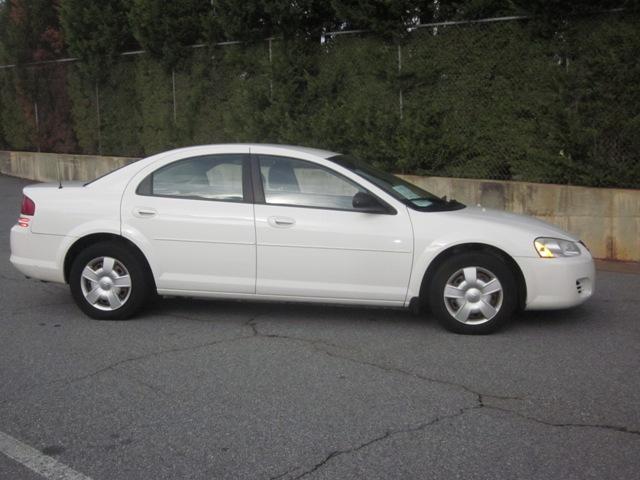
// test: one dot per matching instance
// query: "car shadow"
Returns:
(211, 310)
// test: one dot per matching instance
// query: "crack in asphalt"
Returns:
(388, 434)
(480, 398)
(423, 426)
(324, 347)
(151, 355)
(615, 428)
(114, 365)
(157, 353)
(251, 323)
(284, 474)
(388, 368)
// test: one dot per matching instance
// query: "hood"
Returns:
(523, 222)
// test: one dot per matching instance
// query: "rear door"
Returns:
(312, 243)
(194, 218)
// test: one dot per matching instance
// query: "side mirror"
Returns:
(365, 202)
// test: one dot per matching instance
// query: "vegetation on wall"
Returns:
(555, 98)
(30, 32)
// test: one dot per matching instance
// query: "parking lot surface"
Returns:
(238, 390)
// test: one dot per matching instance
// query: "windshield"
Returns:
(406, 192)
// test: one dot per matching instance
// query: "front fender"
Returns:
(428, 254)
(436, 232)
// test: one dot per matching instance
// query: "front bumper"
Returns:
(554, 283)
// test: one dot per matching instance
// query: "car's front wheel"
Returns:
(109, 282)
(473, 293)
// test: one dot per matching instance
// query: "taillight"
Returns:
(28, 207)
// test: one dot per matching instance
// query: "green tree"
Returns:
(389, 18)
(560, 10)
(255, 20)
(30, 32)
(245, 21)
(167, 28)
(96, 32)
(475, 9)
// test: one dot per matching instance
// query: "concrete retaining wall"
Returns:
(606, 219)
(44, 167)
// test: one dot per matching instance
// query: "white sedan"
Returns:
(273, 222)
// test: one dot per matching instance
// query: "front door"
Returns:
(311, 242)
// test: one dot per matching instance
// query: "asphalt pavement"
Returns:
(239, 390)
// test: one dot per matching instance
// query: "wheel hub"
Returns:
(106, 283)
(473, 295)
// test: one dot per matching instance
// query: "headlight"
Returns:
(556, 247)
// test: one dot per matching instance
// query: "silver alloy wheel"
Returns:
(473, 295)
(106, 283)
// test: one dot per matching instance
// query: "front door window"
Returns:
(288, 181)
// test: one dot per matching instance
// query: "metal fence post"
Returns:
(173, 83)
(270, 71)
(99, 123)
(400, 99)
(37, 120)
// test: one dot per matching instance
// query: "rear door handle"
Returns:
(142, 212)
(281, 222)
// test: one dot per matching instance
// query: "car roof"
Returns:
(123, 174)
(310, 150)
(292, 148)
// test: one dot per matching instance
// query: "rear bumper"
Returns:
(554, 283)
(37, 255)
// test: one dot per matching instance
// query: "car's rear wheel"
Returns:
(473, 293)
(109, 282)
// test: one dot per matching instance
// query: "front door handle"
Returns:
(143, 212)
(281, 222)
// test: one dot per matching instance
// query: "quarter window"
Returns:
(287, 181)
(208, 177)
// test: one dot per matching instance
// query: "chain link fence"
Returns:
(506, 100)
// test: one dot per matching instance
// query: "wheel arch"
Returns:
(83, 242)
(473, 247)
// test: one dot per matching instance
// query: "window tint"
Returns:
(210, 177)
(288, 181)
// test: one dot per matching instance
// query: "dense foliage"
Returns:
(555, 98)
(30, 32)
(167, 29)
(96, 32)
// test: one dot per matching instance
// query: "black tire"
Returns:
(485, 262)
(141, 289)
